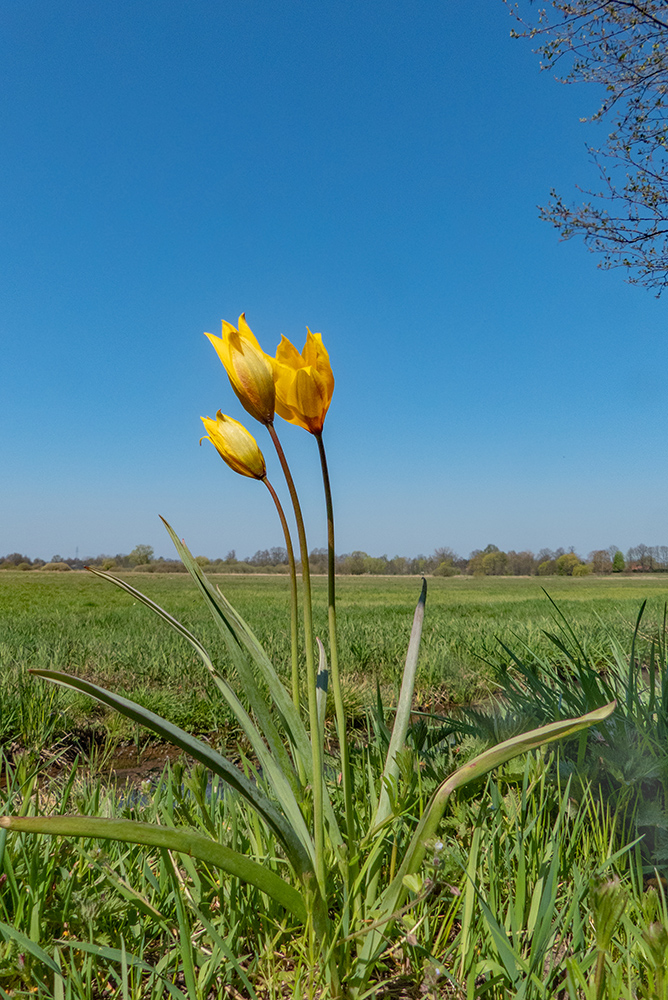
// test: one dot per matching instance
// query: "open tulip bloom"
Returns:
(334, 877)
(304, 382)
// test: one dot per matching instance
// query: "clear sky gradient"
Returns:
(369, 170)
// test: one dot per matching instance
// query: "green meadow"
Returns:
(547, 878)
(79, 623)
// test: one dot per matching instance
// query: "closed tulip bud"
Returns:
(248, 368)
(304, 382)
(235, 445)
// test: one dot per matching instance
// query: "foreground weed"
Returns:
(627, 758)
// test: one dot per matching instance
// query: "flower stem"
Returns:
(316, 745)
(294, 630)
(334, 655)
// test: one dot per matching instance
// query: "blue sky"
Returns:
(369, 170)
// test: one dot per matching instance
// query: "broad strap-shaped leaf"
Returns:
(150, 835)
(237, 634)
(257, 702)
(274, 771)
(295, 850)
(238, 637)
(475, 769)
(397, 739)
(403, 712)
(393, 896)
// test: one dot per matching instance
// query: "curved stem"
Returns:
(334, 655)
(294, 630)
(316, 746)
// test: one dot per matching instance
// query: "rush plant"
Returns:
(346, 873)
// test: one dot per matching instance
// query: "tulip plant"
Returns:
(329, 855)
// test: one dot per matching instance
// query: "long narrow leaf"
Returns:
(228, 623)
(403, 712)
(236, 631)
(277, 773)
(28, 945)
(258, 704)
(225, 950)
(187, 842)
(475, 769)
(117, 955)
(200, 751)
(392, 898)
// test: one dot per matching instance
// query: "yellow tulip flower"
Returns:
(248, 368)
(304, 382)
(235, 445)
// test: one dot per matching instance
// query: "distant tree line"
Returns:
(490, 561)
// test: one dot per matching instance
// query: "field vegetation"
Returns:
(490, 561)
(78, 623)
(547, 877)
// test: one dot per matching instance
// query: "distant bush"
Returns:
(446, 569)
(141, 555)
(601, 561)
(59, 567)
(494, 563)
(108, 564)
(353, 564)
(15, 561)
(566, 564)
(583, 569)
(160, 566)
(618, 564)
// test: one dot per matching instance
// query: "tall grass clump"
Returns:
(627, 756)
(333, 857)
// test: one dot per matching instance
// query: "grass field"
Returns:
(79, 623)
(526, 872)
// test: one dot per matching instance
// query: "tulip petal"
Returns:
(287, 354)
(246, 332)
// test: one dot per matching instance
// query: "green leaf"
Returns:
(29, 946)
(237, 633)
(292, 844)
(280, 773)
(403, 712)
(185, 841)
(118, 955)
(426, 829)
(258, 704)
